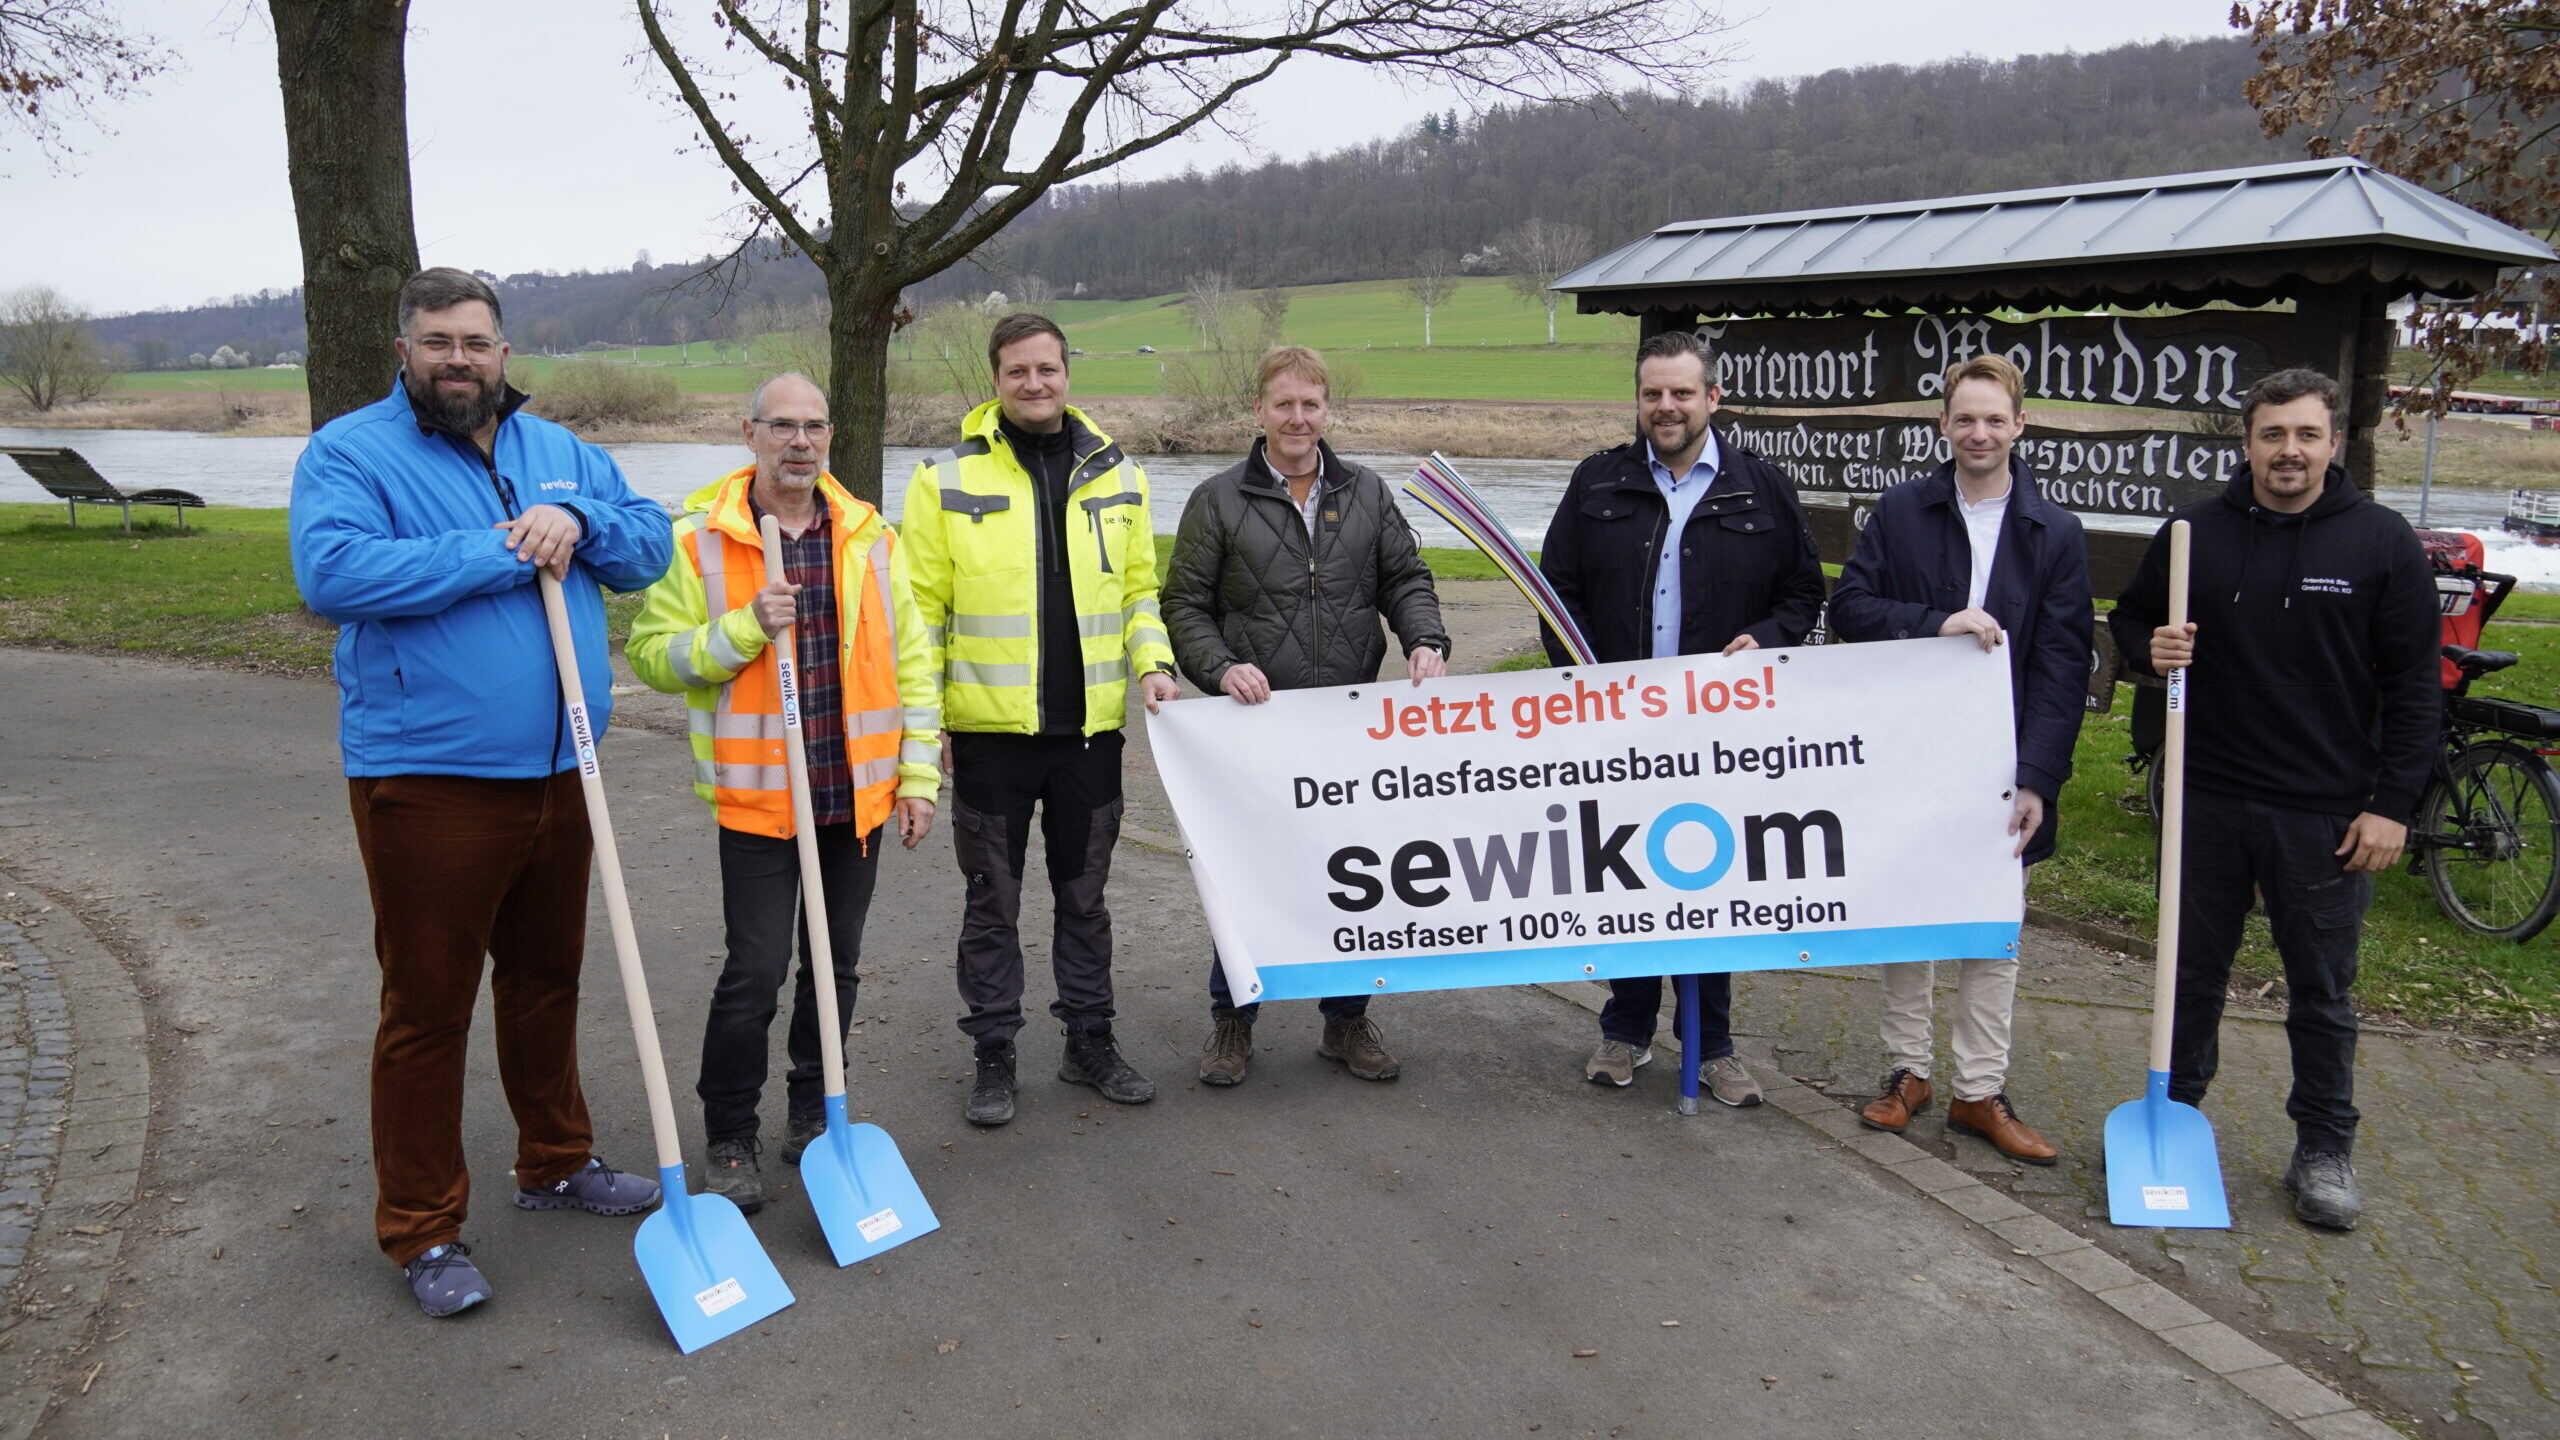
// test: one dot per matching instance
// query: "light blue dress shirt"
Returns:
(1682, 496)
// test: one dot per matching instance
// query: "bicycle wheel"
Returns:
(2494, 859)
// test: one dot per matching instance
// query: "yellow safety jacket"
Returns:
(972, 548)
(697, 633)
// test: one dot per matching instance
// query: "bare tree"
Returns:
(1433, 281)
(1031, 292)
(59, 56)
(1540, 252)
(949, 349)
(2460, 96)
(346, 135)
(1272, 308)
(47, 354)
(680, 328)
(1207, 296)
(917, 152)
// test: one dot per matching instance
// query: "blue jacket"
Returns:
(444, 658)
(1913, 568)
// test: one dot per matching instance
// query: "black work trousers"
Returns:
(760, 896)
(2288, 858)
(996, 783)
(1634, 1007)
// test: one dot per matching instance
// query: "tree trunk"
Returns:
(346, 130)
(1551, 317)
(1426, 327)
(858, 383)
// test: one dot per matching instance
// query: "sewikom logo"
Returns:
(1589, 858)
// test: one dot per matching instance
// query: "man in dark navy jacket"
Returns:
(1680, 543)
(1975, 550)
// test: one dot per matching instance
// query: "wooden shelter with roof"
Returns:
(1907, 288)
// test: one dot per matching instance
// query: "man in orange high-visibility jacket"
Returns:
(868, 708)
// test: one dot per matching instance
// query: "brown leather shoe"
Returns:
(1996, 1120)
(1905, 1095)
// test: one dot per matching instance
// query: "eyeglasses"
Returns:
(441, 347)
(794, 429)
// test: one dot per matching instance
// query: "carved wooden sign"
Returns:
(2096, 472)
(2201, 360)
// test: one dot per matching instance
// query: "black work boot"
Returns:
(1092, 1059)
(2323, 1183)
(991, 1098)
(735, 1173)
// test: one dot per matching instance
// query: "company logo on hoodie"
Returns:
(557, 485)
(2327, 586)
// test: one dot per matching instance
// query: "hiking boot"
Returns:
(2323, 1183)
(598, 1189)
(1729, 1080)
(1615, 1063)
(991, 1097)
(735, 1173)
(1354, 1040)
(445, 1281)
(1094, 1060)
(1230, 1047)
(1996, 1120)
(1904, 1096)
(799, 1132)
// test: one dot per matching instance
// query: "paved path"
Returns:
(1305, 1254)
(2439, 1307)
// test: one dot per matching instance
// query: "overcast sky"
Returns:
(541, 140)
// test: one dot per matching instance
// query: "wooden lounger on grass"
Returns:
(75, 482)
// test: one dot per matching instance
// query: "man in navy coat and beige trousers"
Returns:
(1975, 550)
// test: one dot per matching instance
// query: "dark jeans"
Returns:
(464, 870)
(760, 898)
(2287, 858)
(996, 783)
(1635, 1004)
(1332, 1007)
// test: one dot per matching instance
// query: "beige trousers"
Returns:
(1986, 992)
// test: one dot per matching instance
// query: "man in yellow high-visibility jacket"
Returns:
(866, 708)
(1034, 567)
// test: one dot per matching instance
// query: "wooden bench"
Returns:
(73, 480)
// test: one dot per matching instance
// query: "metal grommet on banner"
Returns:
(1587, 969)
(1804, 955)
(1254, 989)
(1382, 982)
(1355, 694)
(1782, 659)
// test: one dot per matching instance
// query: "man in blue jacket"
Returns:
(1975, 550)
(418, 524)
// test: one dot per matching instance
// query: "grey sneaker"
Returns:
(799, 1133)
(1230, 1049)
(1355, 1041)
(1615, 1063)
(1729, 1080)
(735, 1173)
(445, 1281)
(1094, 1060)
(598, 1189)
(2323, 1183)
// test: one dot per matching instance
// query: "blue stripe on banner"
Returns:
(1317, 979)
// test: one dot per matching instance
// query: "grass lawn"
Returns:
(2417, 964)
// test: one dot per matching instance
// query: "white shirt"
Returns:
(1982, 527)
(1681, 495)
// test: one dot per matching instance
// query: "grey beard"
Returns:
(463, 417)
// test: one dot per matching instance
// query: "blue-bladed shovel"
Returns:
(866, 1198)
(706, 1271)
(2162, 1166)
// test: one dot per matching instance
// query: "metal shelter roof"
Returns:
(2249, 235)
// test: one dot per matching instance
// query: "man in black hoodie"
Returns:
(2312, 713)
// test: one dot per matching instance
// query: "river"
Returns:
(1523, 493)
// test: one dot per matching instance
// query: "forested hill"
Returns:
(1846, 137)
(1457, 184)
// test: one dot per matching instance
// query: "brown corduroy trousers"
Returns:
(463, 868)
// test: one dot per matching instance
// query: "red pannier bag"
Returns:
(2455, 556)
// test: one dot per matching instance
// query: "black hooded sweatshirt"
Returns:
(2315, 679)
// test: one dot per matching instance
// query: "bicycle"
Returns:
(2487, 832)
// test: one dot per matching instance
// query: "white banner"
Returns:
(1833, 805)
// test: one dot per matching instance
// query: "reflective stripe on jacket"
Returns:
(972, 550)
(697, 633)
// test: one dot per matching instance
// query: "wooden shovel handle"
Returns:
(813, 892)
(2173, 816)
(617, 905)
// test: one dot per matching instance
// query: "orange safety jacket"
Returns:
(697, 633)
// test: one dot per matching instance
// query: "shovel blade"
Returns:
(2162, 1165)
(866, 1198)
(706, 1271)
